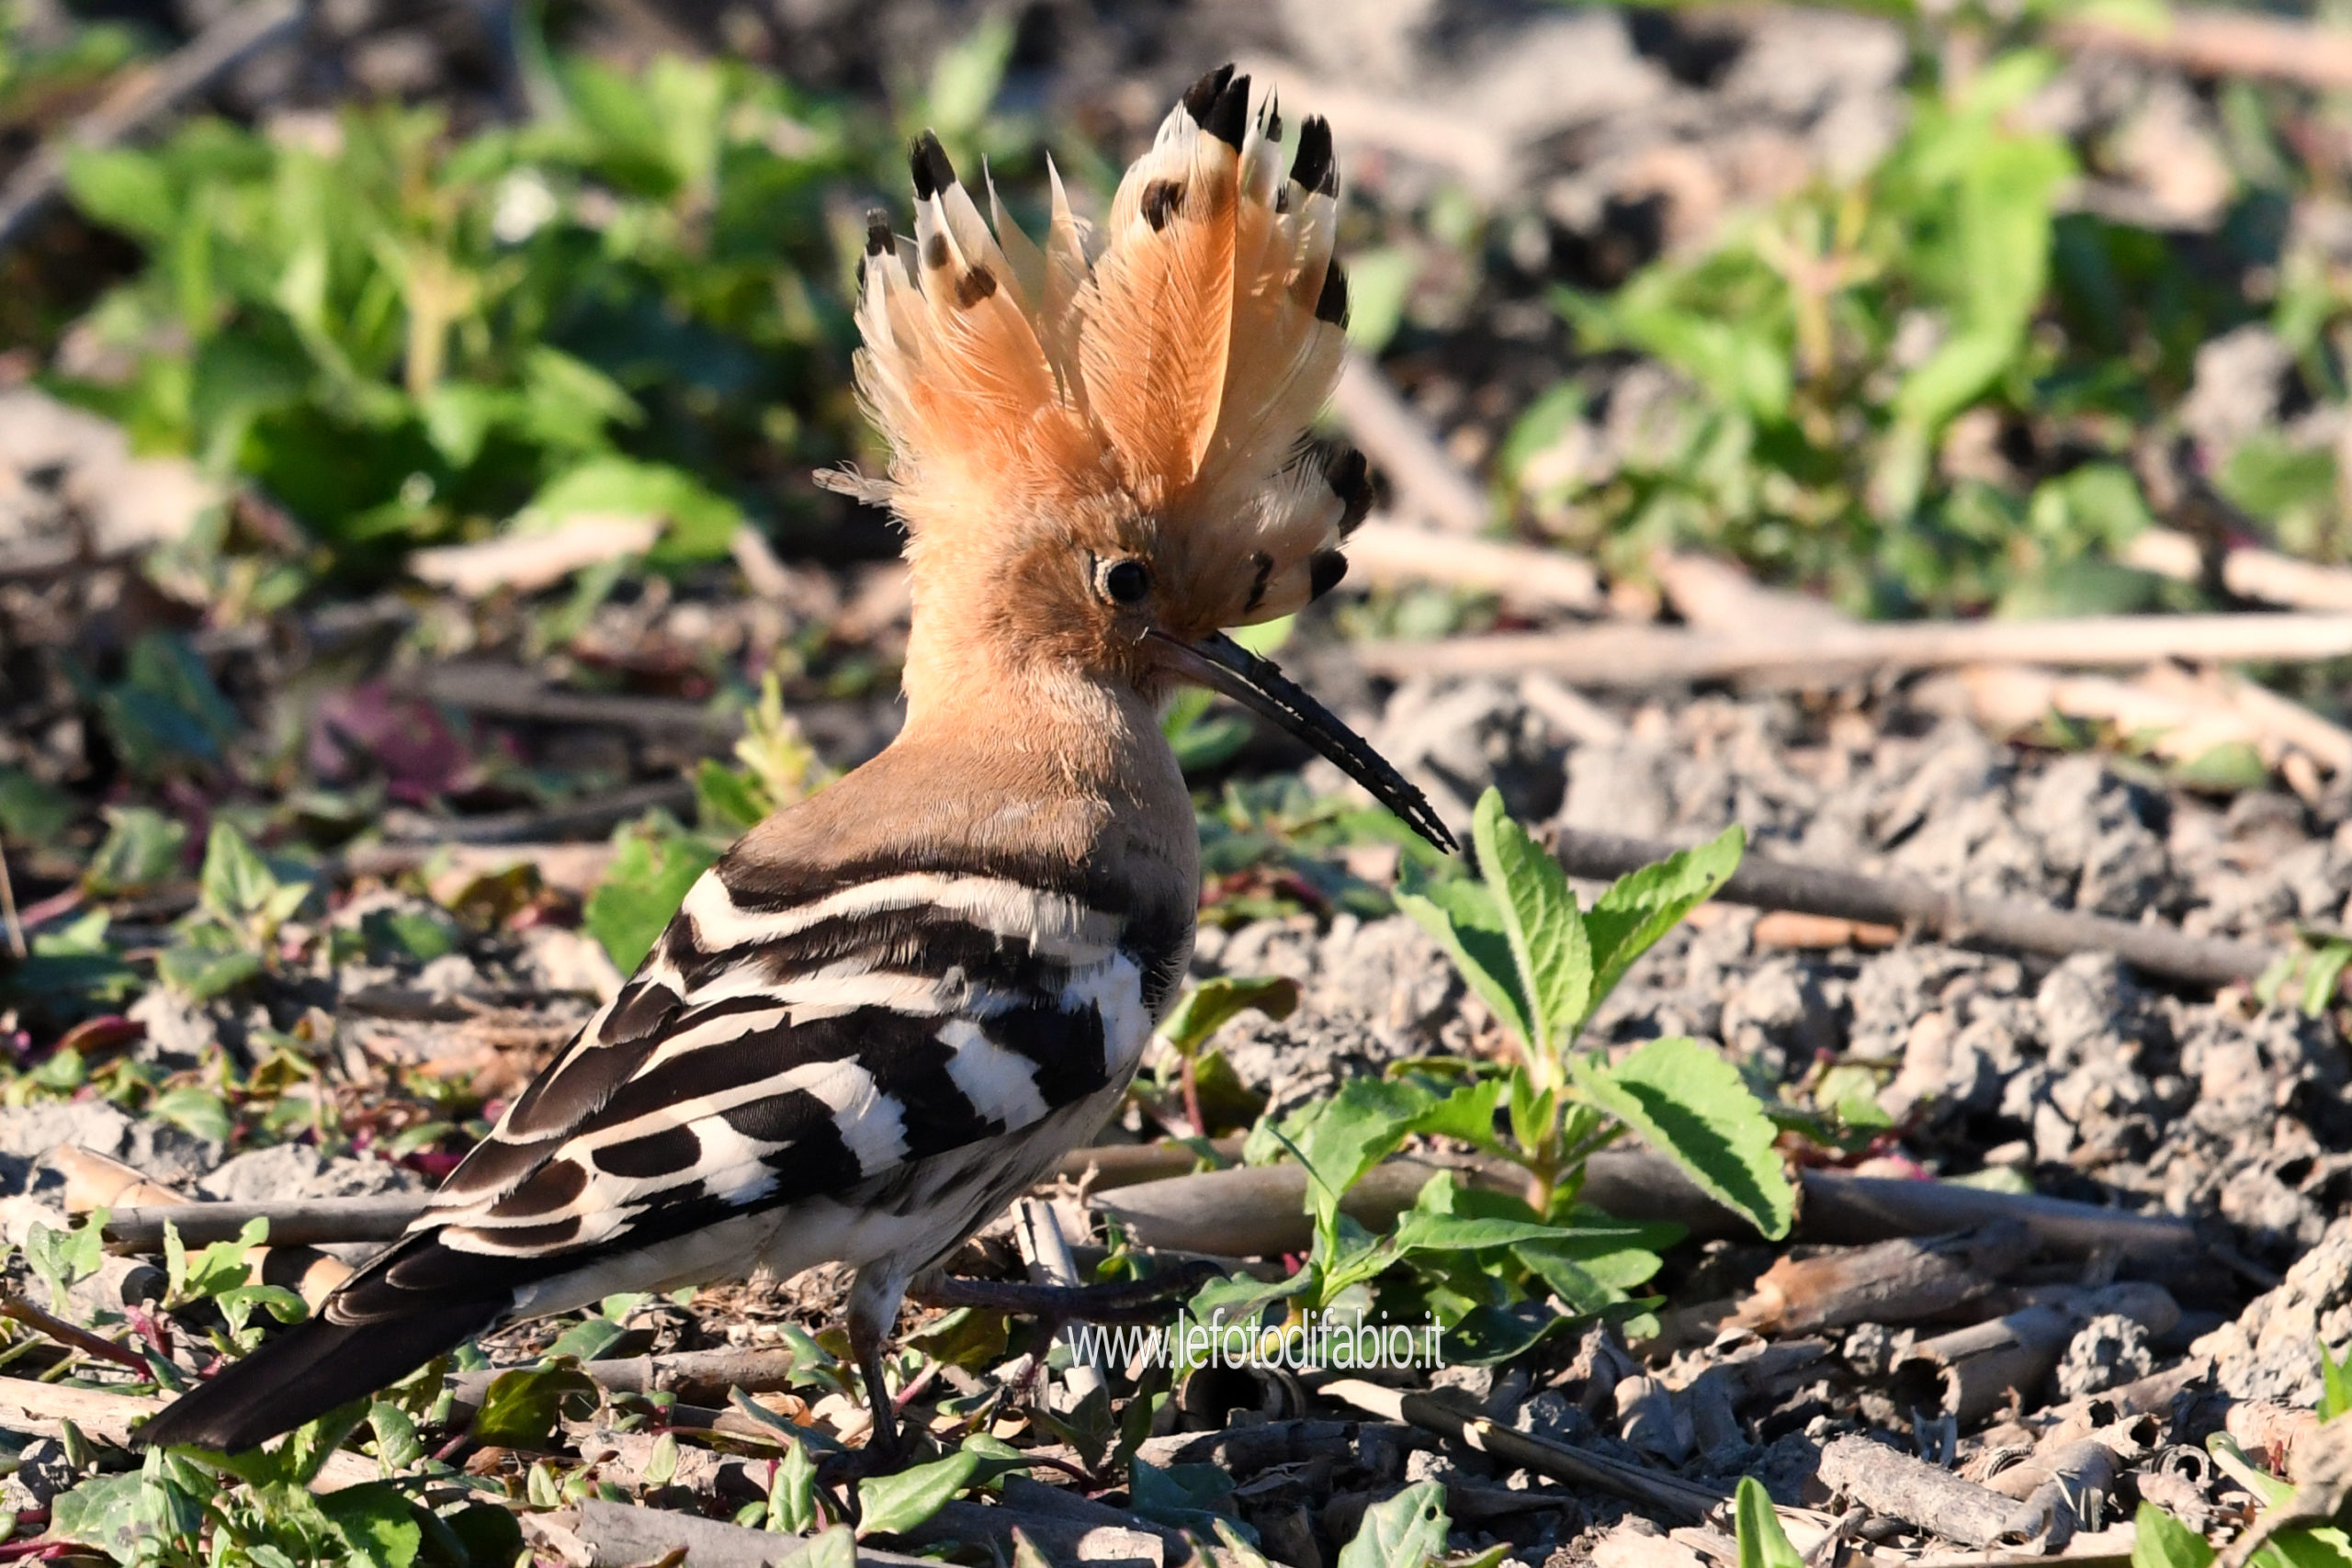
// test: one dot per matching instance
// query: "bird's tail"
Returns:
(310, 1369)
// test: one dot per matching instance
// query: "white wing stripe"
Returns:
(1052, 923)
(1001, 1084)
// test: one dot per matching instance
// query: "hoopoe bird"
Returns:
(892, 1008)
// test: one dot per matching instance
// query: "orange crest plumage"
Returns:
(1165, 369)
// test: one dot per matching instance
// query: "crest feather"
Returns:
(1170, 363)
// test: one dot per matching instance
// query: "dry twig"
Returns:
(2014, 923)
(1651, 656)
(1427, 483)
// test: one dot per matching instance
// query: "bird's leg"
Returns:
(873, 1314)
(1125, 1301)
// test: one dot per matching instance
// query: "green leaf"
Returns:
(1184, 1496)
(1211, 1005)
(1380, 282)
(1353, 1131)
(1643, 906)
(376, 1524)
(1548, 936)
(1467, 921)
(889, 1505)
(141, 850)
(834, 1547)
(1405, 1531)
(221, 1267)
(126, 190)
(31, 811)
(1762, 1543)
(587, 1339)
(200, 1112)
(102, 1512)
(2335, 1383)
(792, 1495)
(1688, 1102)
(2159, 1540)
(648, 880)
(64, 1258)
(1468, 1113)
(236, 883)
(727, 801)
(698, 521)
(522, 1408)
(204, 965)
(397, 1445)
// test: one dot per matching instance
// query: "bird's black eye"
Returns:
(1125, 582)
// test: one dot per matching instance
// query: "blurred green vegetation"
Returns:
(635, 302)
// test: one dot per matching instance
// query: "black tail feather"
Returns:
(307, 1371)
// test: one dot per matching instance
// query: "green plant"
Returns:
(1542, 966)
(629, 304)
(1853, 366)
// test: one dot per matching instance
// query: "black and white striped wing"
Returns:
(772, 1052)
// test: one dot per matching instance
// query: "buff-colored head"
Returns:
(1099, 445)
(1108, 431)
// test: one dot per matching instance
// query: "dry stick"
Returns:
(303, 1223)
(8, 906)
(1650, 656)
(1384, 551)
(101, 1181)
(588, 818)
(1561, 1462)
(697, 1377)
(110, 1417)
(2225, 43)
(1124, 1164)
(141, 100)
(2015, 923)
(1888, 1481)
(1893, 1282)
(64, 1333)
(1399, 445)
(597, 1534)
(1257, 1208)
(2249, 573)
(2188, 715)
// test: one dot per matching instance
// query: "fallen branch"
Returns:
(2224, 43)
(2246, 572)
(2015, 923)
(1651, 656)
(303, 1223)
(592, 1533)
(1260, 1209)
(1657, 1490)
(1887, 1480)
(1399, 442)
(1066, 1526)
(1387, 552)
(697, 1377)
(582, 820)
(1892, 1282)
(98, 1182)
(111, 1418)
(1124, 1164)
(142, 98)
(2187, 714)
(72, 1336)
(1971, 1372)
(525, 562)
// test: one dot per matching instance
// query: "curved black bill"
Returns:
(1224, 666)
